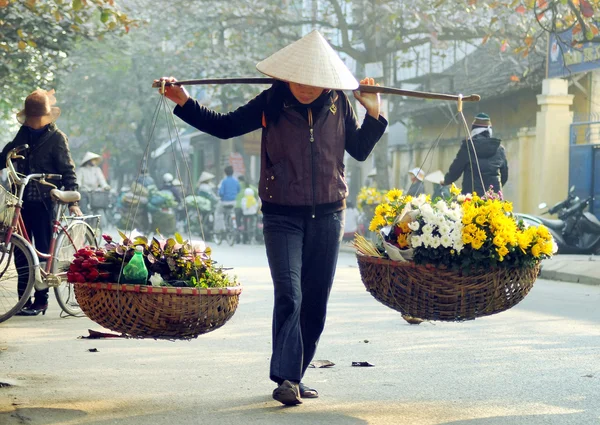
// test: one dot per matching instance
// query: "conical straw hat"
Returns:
(310, 61)
(89, 156)
(205, 176)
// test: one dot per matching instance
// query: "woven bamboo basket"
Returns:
(141, 311)
(431, 293)
(8, 201)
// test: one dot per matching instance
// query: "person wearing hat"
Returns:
(416, 182)
(206, 188)
(482, 163)
(90, 176)
(48, 152)
(307, 125)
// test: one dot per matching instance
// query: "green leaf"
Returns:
(104, 16)
(77, 5)
(178, 238)
(141, 240)
(123, 236)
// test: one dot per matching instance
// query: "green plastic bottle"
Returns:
(135, 272)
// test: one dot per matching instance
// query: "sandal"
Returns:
(307, 392)
(287, 393)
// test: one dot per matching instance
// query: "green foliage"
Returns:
(176, 260)
(37, 38)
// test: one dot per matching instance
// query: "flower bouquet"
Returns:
(186, 293)
(451, 259)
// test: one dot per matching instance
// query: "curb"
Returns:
(569, 277)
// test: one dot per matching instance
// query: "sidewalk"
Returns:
(572, 268)
(566, 268)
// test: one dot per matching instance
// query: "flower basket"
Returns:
(141, 311)
(461, 257)
(432, 293)
(180, 294)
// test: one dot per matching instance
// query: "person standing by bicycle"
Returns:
(49, 153)
(90, 178)
(308, 124)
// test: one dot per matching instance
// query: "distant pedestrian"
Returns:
(483, 163)
(417, 186)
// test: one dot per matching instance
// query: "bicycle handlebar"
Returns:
(14, 154)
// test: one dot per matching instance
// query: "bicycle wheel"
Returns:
(82, 235)
(230, 237)
(10, 301)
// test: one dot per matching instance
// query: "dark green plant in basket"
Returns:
(170, 262)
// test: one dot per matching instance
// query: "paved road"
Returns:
(535, 364)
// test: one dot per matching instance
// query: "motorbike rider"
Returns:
(228, 191)
(169, 183)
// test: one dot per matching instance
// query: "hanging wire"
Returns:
(470, 140)
(435, 144)
(189, 176)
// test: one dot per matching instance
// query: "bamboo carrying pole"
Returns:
(363, 88)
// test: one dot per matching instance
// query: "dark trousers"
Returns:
(38, 222)
(302, 254)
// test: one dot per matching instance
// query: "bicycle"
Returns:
(68, 235)
(229, 232)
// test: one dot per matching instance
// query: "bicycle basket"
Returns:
(7, 207)
(99, 199)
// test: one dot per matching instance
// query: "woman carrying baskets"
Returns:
(307, 124)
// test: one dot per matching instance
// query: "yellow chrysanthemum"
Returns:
(480, 235)
(502, 252)
(454, 190)
(477, 244)
(536, 250)
(499, 241)
(402, 240)
(481, 220)
(547, 248)
(393, 195)
(470, 228)
(377, 222)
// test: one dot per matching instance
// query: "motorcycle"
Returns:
(576, 231)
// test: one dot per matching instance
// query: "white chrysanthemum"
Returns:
(419, 201)
(414, 226)
(416, 241)
(427, 229)
(427, 239)
(426, 210)
(446, 241)
(435, 242)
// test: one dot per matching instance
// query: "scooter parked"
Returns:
(576, 231)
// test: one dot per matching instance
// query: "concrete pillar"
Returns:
(521, 173)
(594, 130)
(549, 177)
